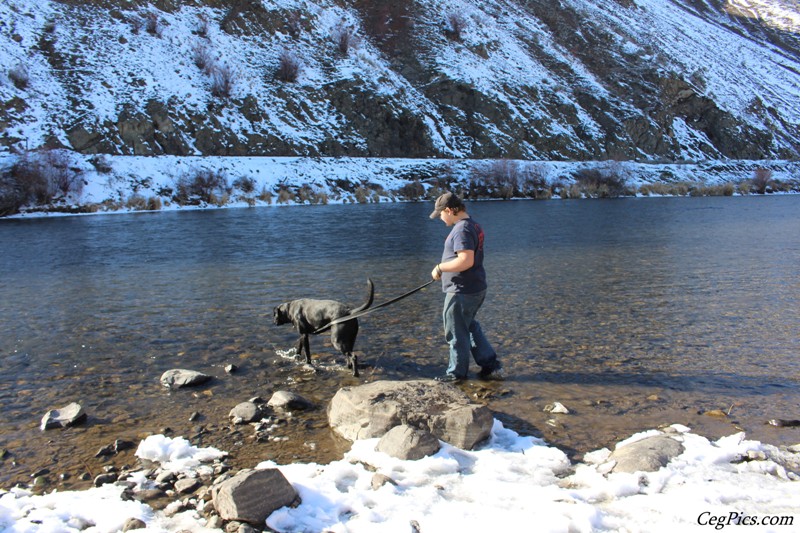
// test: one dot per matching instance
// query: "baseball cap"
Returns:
(446, 200)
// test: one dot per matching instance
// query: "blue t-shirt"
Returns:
(465, 235)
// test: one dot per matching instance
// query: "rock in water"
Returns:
(179, 377)
(288, 400)
(244, 413)
(69, 415)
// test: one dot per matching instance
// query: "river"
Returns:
(633, 313)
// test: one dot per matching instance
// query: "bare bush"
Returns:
(345, 38)
(136, 202)
(534, 182)
(152, 24)
(288, 67)
(37, 178)
(223, 79)
(205, 186)
(455, 26)
(246, 184)
(101, 163)
(57, 165)
(284, 195)
(412, 190)
(762, 180)
(202, 26)
(153, 203)
(19, 76)
(202, 57)
(503, 178)
(265, 195)
(606, 183)
(294, 22)
(362, 195)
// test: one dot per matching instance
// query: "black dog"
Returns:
(308, 316)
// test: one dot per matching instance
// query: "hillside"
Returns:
(645, 80)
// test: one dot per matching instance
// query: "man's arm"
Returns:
(463, 261)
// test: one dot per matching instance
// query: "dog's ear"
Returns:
(278, 314)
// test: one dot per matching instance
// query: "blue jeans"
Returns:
(464, 334)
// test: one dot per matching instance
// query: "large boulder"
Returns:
(252, 495)
(646, 455)
(371, 410)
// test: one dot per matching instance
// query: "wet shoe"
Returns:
(492, 372)
(447, 378)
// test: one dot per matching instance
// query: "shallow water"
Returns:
(632, 313)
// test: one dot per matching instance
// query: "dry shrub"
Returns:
(19, 76)
(265, 195)
(288, 67)
(606, 183)
(38, 178)
(137, 202)
(456, 23)
(284, 195)
(294, 22)
(762, 180)
(203, 58)
(412, 190)
(154, 203)
(345, 38)
(202, 26)
(205, 186)
(362, 195)
(501, 180)
(246, 184)
(152, 24)
(222, 81)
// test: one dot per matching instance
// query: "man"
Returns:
(464, 284)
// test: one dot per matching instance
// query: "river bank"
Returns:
(513, 480)
(64, 182)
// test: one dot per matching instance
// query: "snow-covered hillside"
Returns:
(652, 80)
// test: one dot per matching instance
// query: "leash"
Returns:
(371, 309)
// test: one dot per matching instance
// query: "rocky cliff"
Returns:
(648, 80)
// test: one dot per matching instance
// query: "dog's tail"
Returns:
(369, 299)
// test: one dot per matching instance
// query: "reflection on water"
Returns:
(633, 313)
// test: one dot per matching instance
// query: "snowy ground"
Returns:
(514, 482)
(112, 183)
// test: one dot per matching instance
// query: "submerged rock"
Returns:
(67, 416)
(179, 377)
